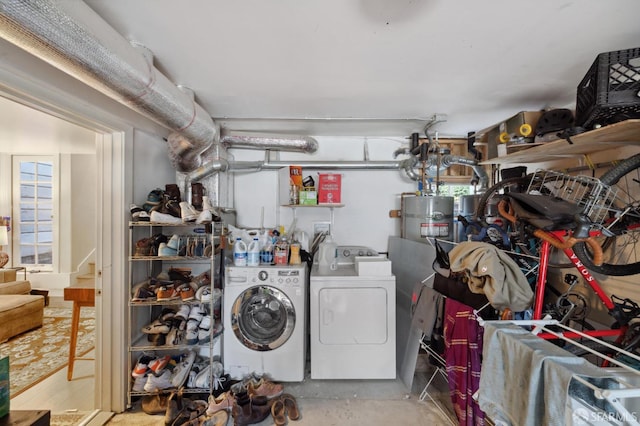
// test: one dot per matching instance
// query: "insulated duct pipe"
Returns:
(251, 140)
(216, 166)
(104, 60)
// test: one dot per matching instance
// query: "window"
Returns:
(33, 209)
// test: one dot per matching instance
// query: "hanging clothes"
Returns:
(463, 356)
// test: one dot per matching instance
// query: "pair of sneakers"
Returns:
(151, 373)
(201, 327)
(175, 291)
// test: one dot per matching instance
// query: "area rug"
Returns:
(68, 419)
(37, 354)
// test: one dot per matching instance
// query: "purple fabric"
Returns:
(463, 350)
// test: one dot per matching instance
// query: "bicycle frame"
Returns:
(545, 250)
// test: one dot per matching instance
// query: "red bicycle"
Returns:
(559, 212)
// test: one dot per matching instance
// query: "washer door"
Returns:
(263, 318)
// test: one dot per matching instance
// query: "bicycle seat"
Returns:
(544, 212)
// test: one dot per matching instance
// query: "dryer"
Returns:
(352, 320)
(265, 321)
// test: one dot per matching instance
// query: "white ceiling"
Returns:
(374, 66)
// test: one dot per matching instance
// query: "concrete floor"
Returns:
(349, 402)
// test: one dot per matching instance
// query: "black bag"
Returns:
(457, 289)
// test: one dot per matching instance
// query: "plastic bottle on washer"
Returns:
(281, 251)
(253, 253)
(240, 253)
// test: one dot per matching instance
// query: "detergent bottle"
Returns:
(327, 255)
(253, 252)
(240, 253)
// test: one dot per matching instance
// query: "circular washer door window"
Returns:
(262, 318)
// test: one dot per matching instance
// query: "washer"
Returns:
(352, 321)
(265, 322)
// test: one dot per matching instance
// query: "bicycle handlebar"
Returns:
(505, 210)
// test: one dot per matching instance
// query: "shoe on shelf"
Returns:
(157, 339)
(204, 217)
(158, 383)
(192, 334)
(174, 242)
(143, 292)
(165, 250)
(157, 365)
(182, 369)
(188, 212)
(186, 292)
(170, 207)
(206, 205)
(143, 247)
(157, 326)
(183, 312)
(158, 217)
(204, 330)
(202, 280)
(176, 335)
(154, 199)
(197, 313)
(138, 214)
(142, 366)
(179, 274)
(203, 379)
(264, 387)
(138, 383)
(197, 194)
(167, 292)
(172, 192)
(205, 335)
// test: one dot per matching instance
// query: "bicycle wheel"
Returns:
(522, 239)
(622, 250)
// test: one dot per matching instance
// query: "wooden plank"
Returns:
(618, 134)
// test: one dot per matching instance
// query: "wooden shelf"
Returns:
(618, 134)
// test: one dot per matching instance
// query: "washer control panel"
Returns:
(280, 276)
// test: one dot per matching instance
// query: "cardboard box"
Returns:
(308, 197)
(510, 126)
(329, 188)
(295, 176)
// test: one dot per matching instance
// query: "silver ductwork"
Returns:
(219, 165)
(77, 41)
(250, 140)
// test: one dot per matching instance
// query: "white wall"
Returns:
(368, 196)
(151, 166)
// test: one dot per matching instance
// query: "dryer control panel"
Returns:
(347, 254)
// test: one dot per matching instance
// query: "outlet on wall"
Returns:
(319, 227)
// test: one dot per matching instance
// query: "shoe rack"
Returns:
(198, 251)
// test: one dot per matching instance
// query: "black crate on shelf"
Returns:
(610, 91)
